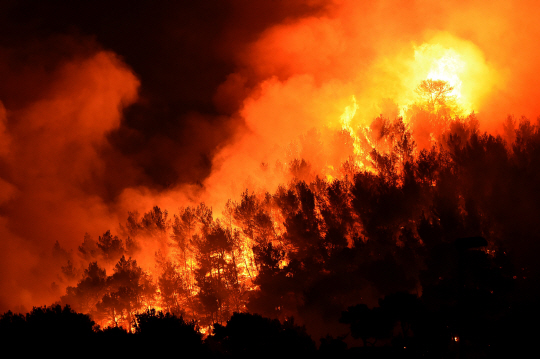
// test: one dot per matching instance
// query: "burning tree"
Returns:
(435, 93)
(129, 290)
(326, 245)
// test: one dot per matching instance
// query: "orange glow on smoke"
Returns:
(459, 63)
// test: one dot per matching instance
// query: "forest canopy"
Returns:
(404, 230)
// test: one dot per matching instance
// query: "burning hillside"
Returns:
(326, 155)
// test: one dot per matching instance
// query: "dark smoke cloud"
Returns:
(180, 51)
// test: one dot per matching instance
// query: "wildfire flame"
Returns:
(457, 64)
(439, 70)
(345, 120)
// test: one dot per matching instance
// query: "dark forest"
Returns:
(432, 253)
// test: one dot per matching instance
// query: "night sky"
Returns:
(180, 52)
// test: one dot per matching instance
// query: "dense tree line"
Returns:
(428, 249)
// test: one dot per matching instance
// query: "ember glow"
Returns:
(236, 142)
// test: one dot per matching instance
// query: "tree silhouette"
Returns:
(52, 328)
(157, 333)
(366, 324)
(172, 288)
(129, 290)
(88, 291)
(251, 334)
(155, 220)
(89, 249)
(434, 92)
(433, 113)
(111, 247)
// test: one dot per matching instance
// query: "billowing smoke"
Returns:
(306, 70)
(53, 167)
(109, 108)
